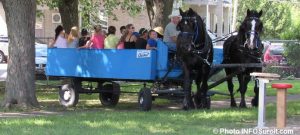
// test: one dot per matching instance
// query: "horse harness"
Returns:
(253, 54)
(195, 34)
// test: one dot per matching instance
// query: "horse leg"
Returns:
(187, 101)
(204, 89)
(230, 88)
(197, 97)
(254, 101)
(244, 82)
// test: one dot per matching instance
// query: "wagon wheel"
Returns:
(69, 93)
(68, 96)
(145, 99)
(110, 97)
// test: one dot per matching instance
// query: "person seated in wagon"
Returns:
(171, 33)
(151, 42)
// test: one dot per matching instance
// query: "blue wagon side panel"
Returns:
(218, 55)
(163, 63)
(108, 64)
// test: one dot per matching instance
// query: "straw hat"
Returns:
(159, 30)
(174, 13)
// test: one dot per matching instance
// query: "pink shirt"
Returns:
(97, 41)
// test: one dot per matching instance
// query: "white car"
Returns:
(40, 58)
(3, 49)
(40, 54)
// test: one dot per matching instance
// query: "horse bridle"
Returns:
(252, 53)
(195, 34)
(253, 32)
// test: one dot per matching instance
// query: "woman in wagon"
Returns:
(171, 33)
(73, 38)
(151, 42)
(111, 41)
(60, 40)
(84, 38)
(97, 39)
(129, 39)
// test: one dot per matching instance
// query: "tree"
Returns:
(293, 32)
(158, 11)
(68, 10)
(20, 82)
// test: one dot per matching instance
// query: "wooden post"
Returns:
(281, 108)
(281, 103)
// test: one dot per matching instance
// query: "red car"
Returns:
(274, 54)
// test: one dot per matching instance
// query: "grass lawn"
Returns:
(89, 117)
(114, 121)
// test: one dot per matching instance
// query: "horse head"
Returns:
(191, 30)
(251, 28)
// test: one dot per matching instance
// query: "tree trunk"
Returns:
(68, 10)
(158, 12)
(20, 83)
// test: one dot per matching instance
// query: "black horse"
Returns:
(245, 47)
(195, 51)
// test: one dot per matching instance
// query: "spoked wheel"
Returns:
(110, 95)
(68, 96)
(69, 93)
(145, 99)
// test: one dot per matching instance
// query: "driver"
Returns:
(170, 34)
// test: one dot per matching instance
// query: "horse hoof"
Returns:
(198, 103)
(254, 102)
(199, 106)
(186, 108)
(233, 104)
(243, 106)
(187, 105)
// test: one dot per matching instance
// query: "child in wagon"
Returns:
(151, 42)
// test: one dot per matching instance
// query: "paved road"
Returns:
(3, 73)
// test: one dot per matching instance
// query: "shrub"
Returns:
(284, 71)
(291, 52)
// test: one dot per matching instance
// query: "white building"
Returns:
(217, 14)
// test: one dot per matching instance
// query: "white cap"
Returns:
(174, 13)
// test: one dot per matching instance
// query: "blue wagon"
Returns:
(107, 66)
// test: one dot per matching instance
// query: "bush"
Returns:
(291, 52)
(287, 72)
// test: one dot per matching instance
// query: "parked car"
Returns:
(40, 54)
(274, 54)
(3, 49)
(40, 58)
